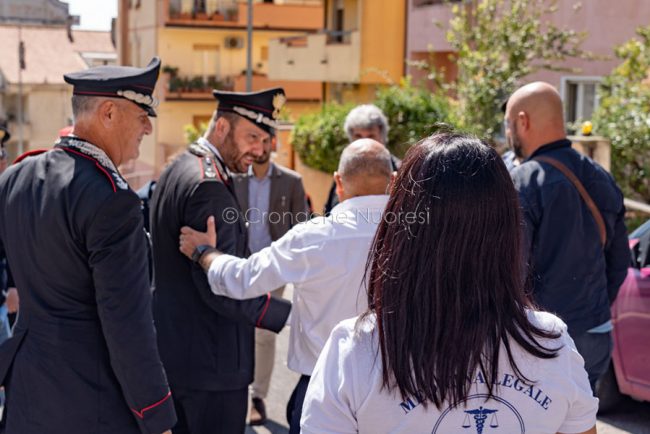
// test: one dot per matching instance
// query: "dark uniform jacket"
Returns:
(573, 276)
(3, 279)
(83, 358)
(206, 341)
(287, 201)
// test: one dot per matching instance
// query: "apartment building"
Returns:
(607, 24)
(38, 47)
(202, 44)
(361, 46)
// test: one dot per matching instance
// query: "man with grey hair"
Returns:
(324, 258)
(365, 121)
(83, 357)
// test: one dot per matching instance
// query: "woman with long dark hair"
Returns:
(450, 342)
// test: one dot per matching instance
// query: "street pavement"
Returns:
(630, 418)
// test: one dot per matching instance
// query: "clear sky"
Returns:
(95, 14)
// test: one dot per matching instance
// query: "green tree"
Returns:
(319, 139)
(191, 132)
(413, 113)
(623, 116)
(497, 43)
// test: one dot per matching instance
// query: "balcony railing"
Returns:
(330, 56)
(198, 87)
(215, 10)
(331, 38)
(299, 15)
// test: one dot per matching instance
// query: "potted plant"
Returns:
(212, 82)
(231, 13)
(197, 84)
(171, 70)
(200, 13)
(217, 16)
(176, 85)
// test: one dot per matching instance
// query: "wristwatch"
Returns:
(198, 252)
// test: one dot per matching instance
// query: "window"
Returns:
(13, 105)
(580, 97)
(339, 24)
(206, 61)
(187, 7)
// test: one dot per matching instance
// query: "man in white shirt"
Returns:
(324, 258)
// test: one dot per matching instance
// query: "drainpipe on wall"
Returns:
(249, 48)
(21, 66)
(406, 38)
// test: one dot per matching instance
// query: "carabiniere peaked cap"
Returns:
(134, 84)
(262, 108)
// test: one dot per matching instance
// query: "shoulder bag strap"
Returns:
(583, 192)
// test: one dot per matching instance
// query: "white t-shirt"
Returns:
(345, 394)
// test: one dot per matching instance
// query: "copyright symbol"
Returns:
(230, 215)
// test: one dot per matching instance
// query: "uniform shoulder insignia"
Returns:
(207, 161)
(198, 150)
(29, 154)
(208, 167)
(119, 181)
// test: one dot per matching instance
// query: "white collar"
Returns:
(96, 153)
(372, 201)
(89, 149)
(203, 141)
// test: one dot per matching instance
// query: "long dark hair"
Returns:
(446, 275)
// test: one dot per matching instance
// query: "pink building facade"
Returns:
(608, 24)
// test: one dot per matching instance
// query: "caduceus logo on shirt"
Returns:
(474, 415)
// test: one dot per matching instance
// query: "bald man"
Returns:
(575, 273)
(324, 258)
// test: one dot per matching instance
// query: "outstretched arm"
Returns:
(260, 309)
(285, 261)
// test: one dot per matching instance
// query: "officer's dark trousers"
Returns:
(210, 412)
(294, 407)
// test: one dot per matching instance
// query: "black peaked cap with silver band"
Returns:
(134, 84)
(262, 108)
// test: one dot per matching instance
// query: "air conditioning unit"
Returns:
(233, 42)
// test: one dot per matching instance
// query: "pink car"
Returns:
(629, 373)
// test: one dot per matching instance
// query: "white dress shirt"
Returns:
(325, 259)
